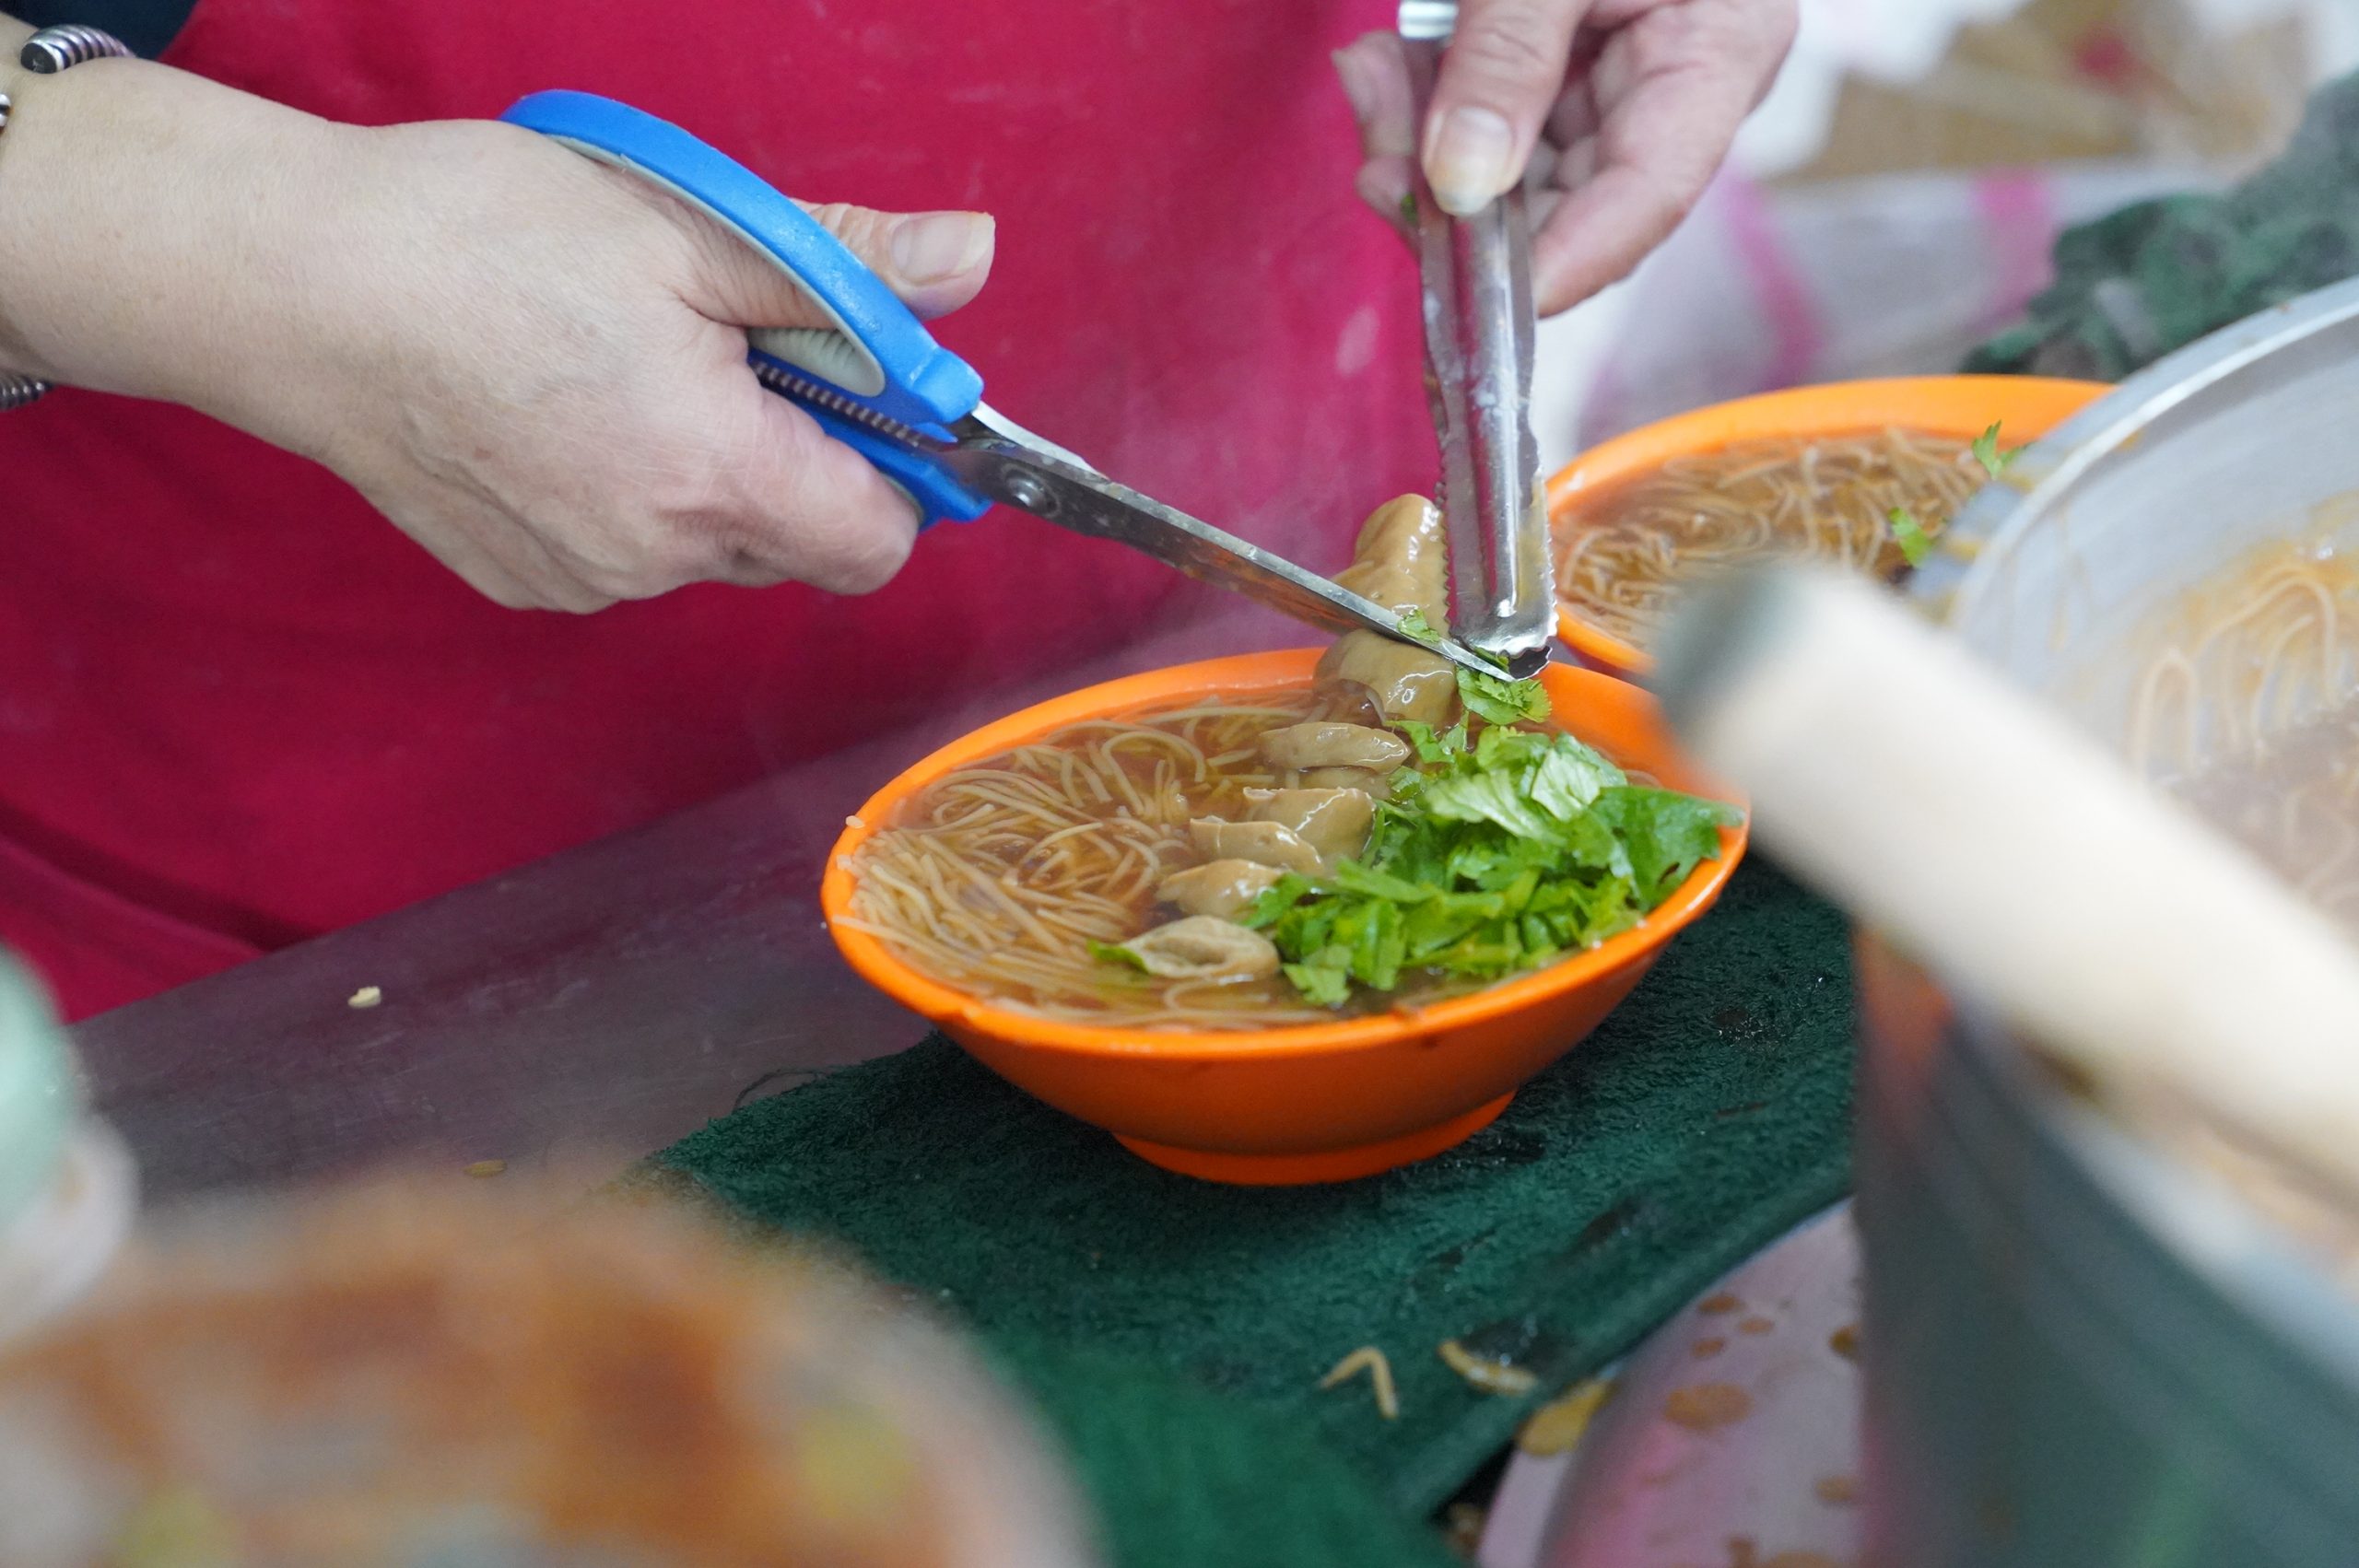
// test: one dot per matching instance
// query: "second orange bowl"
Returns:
(1307, 1103)
(1956, 407)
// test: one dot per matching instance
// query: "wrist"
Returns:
(13, 33)
(146, 218)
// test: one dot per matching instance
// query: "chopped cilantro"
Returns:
(1111, 952)
(1495, 853)
(1986, 452)
(1409, 208)
(1430, 746)
(1492, 697)
(1666, 834)
(1417, 628)
(1324, 979)
(1909, 534)
(1501, 701)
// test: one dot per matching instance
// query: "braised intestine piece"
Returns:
(1375, 786)
(1222, 888)
(1203, 947)
(1333, 822)
(1263, 843)
(1400, 562)
(1325, 743)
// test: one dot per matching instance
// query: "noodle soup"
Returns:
(997, 878)
(1371, 1082)
(1390, 833)
(1865, 501)
(2246, 706)
(2248, 709)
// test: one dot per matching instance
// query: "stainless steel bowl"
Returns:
(2081, 1354)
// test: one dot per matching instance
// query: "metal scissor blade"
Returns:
(1475, 274)
(998, 458)
(995, 457)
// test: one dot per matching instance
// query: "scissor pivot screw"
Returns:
(1028, 492)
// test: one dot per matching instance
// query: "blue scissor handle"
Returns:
(877, 355)
(927, 484)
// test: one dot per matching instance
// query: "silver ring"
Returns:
(53, 50)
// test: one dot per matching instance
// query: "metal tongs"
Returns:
(877, 382)
(1476, 278)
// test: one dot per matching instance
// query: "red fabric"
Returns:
(236, 708)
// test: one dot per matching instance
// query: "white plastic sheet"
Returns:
(1902, 40)
(1770, 288)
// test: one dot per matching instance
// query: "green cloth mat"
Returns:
(2154, 277)
(1182, 1477)
(1704, 1118)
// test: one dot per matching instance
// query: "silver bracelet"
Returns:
(45, 54)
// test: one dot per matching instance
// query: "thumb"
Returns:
(935, 260)
(1502, 72)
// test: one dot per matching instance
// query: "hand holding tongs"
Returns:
(877, 382)
(1476, 276)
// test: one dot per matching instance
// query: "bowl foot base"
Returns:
(1327, 1165)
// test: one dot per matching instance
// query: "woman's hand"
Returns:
(536, 366)
(1623, 107)
(533, 364)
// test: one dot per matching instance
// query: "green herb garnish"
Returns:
(1501, 701)
(1409, 208)
(1986, 452)
(1114, 952)
(1495, 698)
(1909, 534)
(1497, 853)
(1324, 979)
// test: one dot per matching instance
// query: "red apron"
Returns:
(236, 708)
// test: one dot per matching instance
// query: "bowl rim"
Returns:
(875, 962)
(1955, 406)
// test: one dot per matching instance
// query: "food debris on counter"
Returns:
(482, 1169)
(1837, 1491)
(1490, 1376)
(1709, 1345)
(1718, 1306)
(366, 997)
(1706, 1407)
(1369, 1359)
(1845, 1341)
(1555, 1427)
(1755, 1325)
(1745, 1552)
(1463, 1528)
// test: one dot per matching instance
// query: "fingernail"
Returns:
(1348, 70)
(933, 246)
(1466, 162)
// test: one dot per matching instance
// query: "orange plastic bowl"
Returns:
(1957, 407)
(1306, 1103)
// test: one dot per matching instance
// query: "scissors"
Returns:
(876, 381)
